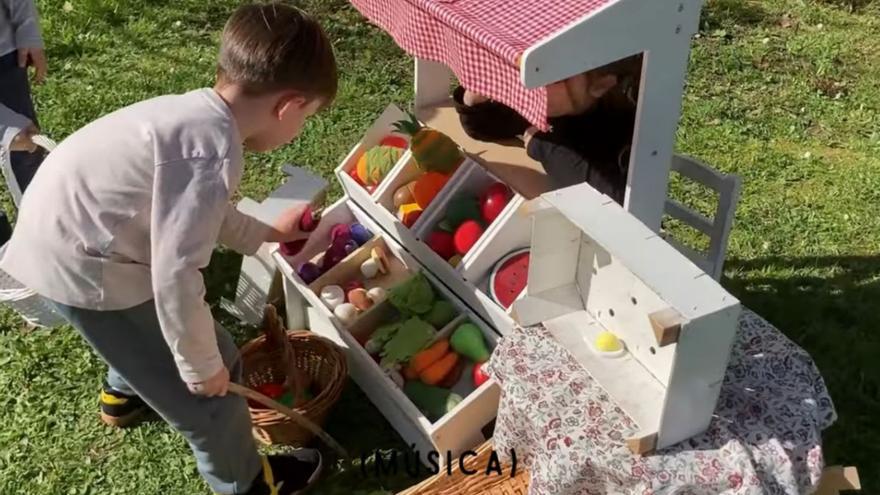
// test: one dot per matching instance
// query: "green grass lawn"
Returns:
(785, 93)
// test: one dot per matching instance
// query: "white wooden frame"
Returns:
(459, 430)
(589, 271)
(718, 228)
(660, 29)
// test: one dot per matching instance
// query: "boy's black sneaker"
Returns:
(288, 474)
(121, 410)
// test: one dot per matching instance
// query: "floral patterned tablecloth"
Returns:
(765, 436)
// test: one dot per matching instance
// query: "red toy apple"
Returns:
(494, 200)
(270, 390)
(466, 236)
(480, 376)
(395, 141)
(441, 243)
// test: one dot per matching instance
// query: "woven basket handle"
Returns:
(276, 338)
(290, 413)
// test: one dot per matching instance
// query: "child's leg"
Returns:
(15, 93)
(15, 90)
(218, 429)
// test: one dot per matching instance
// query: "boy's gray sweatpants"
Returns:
(218, 429)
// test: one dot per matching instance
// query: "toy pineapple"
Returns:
(432, 150)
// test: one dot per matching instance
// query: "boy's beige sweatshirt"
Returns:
(129, 208)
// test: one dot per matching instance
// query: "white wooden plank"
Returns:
(609, 297)
(659, 109)
(511, 232)
(403, 172)
(380, 128)
(703, 351)
(461, 430)
(437, 209)
(683, 213)
(666, 271)
(628, 383)
(697, 171)
(615, 31)
(542, 306)
(554, 252)
(302, 187)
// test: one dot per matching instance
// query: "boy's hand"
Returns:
(215, 386)
(35, 57)
(286, 227)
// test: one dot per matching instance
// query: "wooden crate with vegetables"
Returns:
(418, 352)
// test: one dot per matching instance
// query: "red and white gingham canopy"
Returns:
(480, 40)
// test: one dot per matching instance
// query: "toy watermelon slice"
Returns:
(509, 278)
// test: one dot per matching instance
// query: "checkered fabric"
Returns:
(481, 41)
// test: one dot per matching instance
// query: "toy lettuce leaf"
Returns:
(413, 336)
(381, 336)
(413, 297)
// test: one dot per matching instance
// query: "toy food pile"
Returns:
(277, 392)
(431, 373)
(438, 156)
(374, 165)
(344, 239)
(309, 221)
(348, 301)
(414, 358)
(465, 221)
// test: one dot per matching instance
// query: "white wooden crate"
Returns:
(379, 204)
(511, 231)
(595, 267)
(460, 429)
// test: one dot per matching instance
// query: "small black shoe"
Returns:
(288, 474)
(121, 410)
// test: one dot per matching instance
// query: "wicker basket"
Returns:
(475, 484)
(319, 360)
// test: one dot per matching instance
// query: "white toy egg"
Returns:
(346, 312)
(332, 296)
(370, 268)
(377, 294)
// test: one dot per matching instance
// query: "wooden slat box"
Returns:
(595, 267)
(460, 429)
(470, 178)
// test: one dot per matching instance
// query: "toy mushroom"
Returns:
(380, 258)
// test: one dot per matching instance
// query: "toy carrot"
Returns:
(435, 373)
(429, 356)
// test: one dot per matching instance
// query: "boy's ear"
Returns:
(289, 102)
(602, 85)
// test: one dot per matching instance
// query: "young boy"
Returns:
(125, 212)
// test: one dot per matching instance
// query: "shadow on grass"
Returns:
(830, 306)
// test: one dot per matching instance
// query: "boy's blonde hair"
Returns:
(274, 47)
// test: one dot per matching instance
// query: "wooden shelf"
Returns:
(509, 162)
